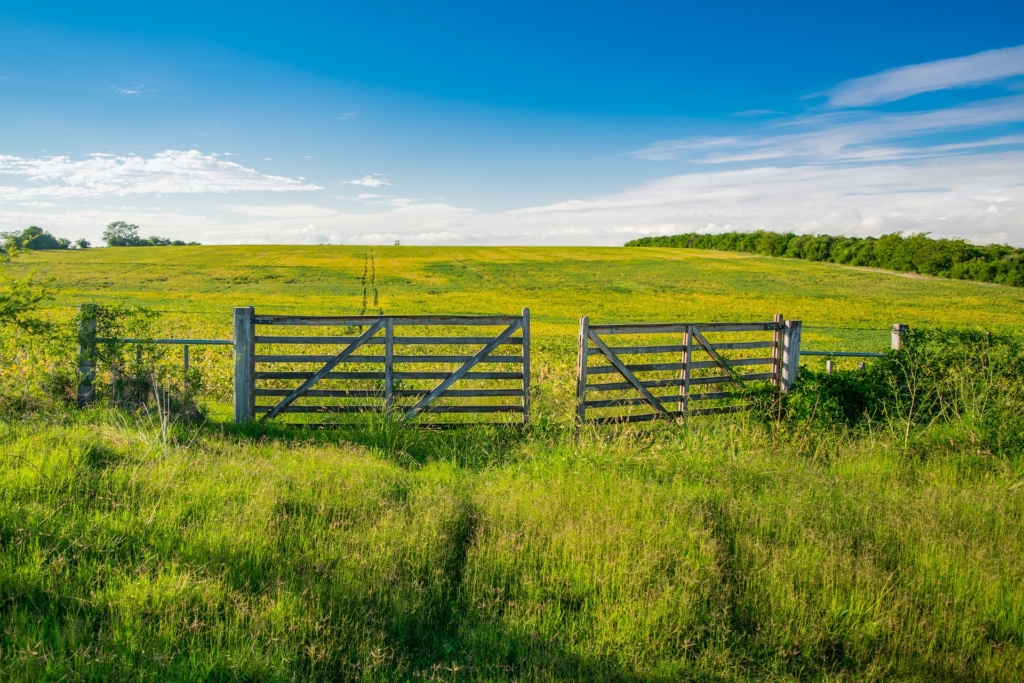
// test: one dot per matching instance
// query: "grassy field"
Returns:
(722, 550)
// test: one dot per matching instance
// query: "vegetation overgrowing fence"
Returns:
(431, 367)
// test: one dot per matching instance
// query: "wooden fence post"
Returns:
(245, 364)
(790, 353)
(526, 366)
(581, 372)
(389, 363)
(86, 355)
(777, 351)
(899, 333)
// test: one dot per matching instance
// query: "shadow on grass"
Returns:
(472, 446)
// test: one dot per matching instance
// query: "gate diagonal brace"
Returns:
(624, 371)
(466, 367)
(733, 375)
(322, 372)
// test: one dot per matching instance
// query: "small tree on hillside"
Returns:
(121, 234)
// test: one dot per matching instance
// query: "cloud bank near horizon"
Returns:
(953, 170)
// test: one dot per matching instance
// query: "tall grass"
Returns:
(718, 551)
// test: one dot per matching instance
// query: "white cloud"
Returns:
(978, 197)
(169, 172)
(375, 180)
(845, 136)
(897, 84)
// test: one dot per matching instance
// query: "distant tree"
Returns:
(121, 234)
(82, 243)
(34, 238)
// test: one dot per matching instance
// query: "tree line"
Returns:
(117, 234)
(919, 253)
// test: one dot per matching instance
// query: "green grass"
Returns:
(722, 550)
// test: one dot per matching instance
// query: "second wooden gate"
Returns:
(700, 375)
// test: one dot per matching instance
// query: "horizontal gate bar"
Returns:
(380, 375)
(656, 328)
(649, 417)
(372, 409)
(707, 396)
(679, 348)
(371, 393)
(380, 359)
(327, 320)
(619, 386)
(694, 365)
(378, 341)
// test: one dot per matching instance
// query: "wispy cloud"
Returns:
(374, 180)
(169, 172)
(844, 136)
(959, 72)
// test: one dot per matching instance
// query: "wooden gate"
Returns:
(692, 368)
(429, 367)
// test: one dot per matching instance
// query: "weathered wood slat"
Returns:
(426, 320)
(330, 375)
(622, 386)
(371, 393)
(702, 364)
(370, 409)
(650, 417)
(326, 393)
(472, 409)
(718, 379)
(289, 358)
(320, 409)
(380, 375)
(468, 393)
(405, 341)
(694, 365)
(636, 367)
(674, 398)
(418, 425)
(468, 375)
(655, 383)
(656, 328)
(457, 359)
(681, 348)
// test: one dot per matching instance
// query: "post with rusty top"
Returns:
(245, 364)
(86, 355)
(790, 353)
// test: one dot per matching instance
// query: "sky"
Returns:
(511, 123)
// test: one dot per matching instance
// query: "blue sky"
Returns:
(511, 123)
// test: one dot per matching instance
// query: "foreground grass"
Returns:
(721, 551)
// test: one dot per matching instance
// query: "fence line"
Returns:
(693, 373)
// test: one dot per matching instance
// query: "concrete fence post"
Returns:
(790, 353)
(899, 334)
(245, 364)
(86, 355)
